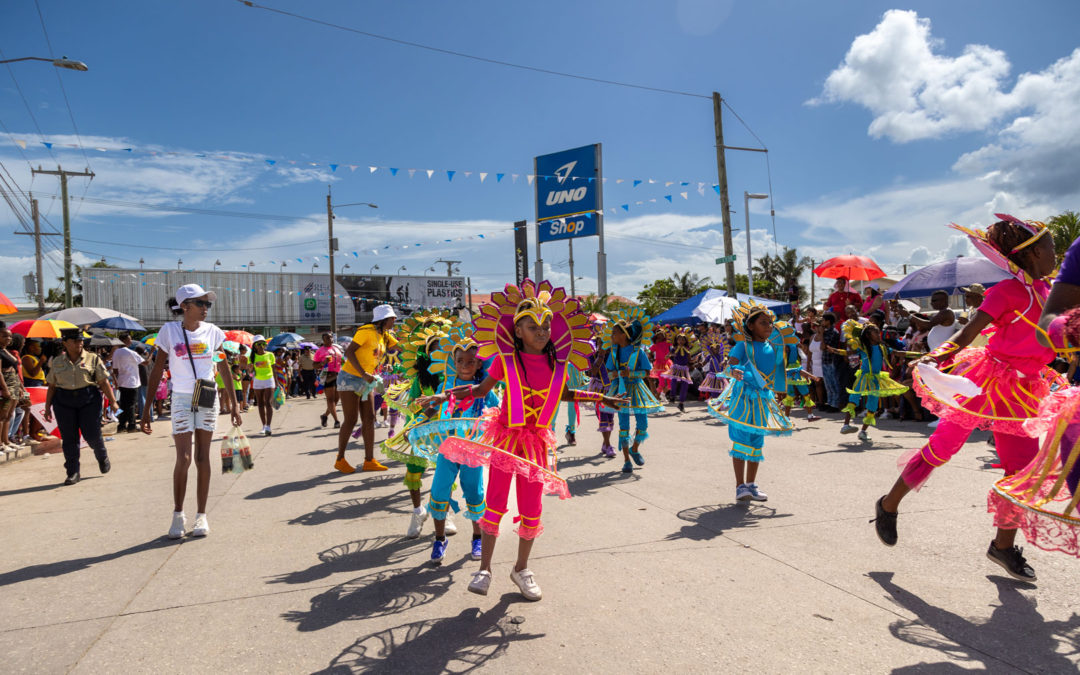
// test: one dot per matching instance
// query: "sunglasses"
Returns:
(202, 303)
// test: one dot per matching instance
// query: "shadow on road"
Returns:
(282, 489)
(458, 644)
(348, 509)
(860, 446)
(35, 488)
(585, 484)
(590, 460)
(357, 556)
(366, 484)
(711, 521)
(376, 594)
(61, 567)
(1015, 634)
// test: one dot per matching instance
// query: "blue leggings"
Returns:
(472, 484)
(642, 428)
(745, 444)
(571, 417)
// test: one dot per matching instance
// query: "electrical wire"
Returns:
(482, 59)
(60, 81)
(215, 250)
(26, 103)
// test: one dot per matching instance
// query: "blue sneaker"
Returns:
(628, 467)
(477, 548)
(438, 551)
(638, 459)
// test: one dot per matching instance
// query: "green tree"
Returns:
(600, 304)
(55, 296)
(658, 296)
(1066, 228)
(775, 274)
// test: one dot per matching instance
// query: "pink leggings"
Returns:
(1015, 453)
(528, 499)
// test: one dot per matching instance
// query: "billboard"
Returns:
(521, 250)
(568, 186)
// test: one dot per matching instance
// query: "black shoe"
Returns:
(884, 524)
(104, 464)
(337, 425)
(1013, 561)
(72, 479)
(322, 418)
(682, 408)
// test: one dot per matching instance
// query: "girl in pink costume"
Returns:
(1010, 373)
(533, 333)
(661, 362)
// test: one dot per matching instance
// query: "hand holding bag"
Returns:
(204, 397)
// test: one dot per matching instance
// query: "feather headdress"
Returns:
(632, 320)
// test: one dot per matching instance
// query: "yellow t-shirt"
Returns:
(264, 365)
(371, 349)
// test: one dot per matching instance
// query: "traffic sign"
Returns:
(725, 259)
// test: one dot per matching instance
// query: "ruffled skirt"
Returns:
(795, 377)
(640, 396)
(1008, 398)
(523, 451)
(1046, 489)
(401, 448)
(660, 367)
(713, 384)
(875, 384)
(754, 410)
(575, 379)
(677, 373)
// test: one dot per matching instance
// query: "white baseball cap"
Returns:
(382, 312)
(190, 291)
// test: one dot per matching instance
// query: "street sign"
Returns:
(726, 259)
(583, 225)
(568, 184)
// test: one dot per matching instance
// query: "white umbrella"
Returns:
(716, 308)
(910, 306)
(80, 316)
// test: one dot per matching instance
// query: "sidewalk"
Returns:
(307, 569)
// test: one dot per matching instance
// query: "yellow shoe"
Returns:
(343, 466)
(373, 465)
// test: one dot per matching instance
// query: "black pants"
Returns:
(128, 398)
(78, 411)
(307, 380)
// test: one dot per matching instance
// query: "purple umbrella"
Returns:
(948, 275)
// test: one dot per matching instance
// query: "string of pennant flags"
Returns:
(688, 187)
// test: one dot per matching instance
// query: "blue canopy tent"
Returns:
(948, 275)
(682, 314)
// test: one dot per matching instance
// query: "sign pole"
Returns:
(330, 248)
(601, 256)
(539, 276)
(573, 294)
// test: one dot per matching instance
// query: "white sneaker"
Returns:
(526, 583)
(416, 523)
(202, 528)
(451, 528)
(266, 430)
(481, 582)
(848, 429)
(743, 493)
(756, 494)
(179, 524)
(863, 436)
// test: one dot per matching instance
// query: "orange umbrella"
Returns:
(241, 336)
(40, 328)
(851, 267)
(6, 305)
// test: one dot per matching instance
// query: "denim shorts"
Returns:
(184, 421)
(350, 382)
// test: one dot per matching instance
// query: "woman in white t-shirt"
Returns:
(190, 345)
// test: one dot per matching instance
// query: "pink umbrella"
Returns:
(850, 267)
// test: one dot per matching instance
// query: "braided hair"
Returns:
(1006, 236)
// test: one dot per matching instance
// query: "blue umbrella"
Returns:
(118, 323)
(284, 340)
(948, 275)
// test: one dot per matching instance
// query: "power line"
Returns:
(173, 248)
(26, 103)
(482, 59)
(60, 81)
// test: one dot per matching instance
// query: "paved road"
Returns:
(307, 569)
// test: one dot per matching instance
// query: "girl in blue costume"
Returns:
(456, 357)
(748, 405)
(575, 380)
(599, 382)
(872, 379)
(798, 386)
(628, 336)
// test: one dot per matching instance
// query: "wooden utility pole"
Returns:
(67, 221)
(330, 246)
(725, 204)
(812, 300)
(37, 234)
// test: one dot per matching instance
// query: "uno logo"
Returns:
(561, 226)
(566, 196)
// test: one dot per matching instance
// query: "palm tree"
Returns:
(767, 269)
(790, 268)
(688, 284)
(595, 304)
(1066, 228)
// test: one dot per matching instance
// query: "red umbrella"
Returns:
(851, 267)
(597, 317)
(6, 305)
(241, 336)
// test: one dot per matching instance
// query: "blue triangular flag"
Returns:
(637, 182)
(450, 175)
(499, 177)
(626, 207)
(717, 188)
(667, 197)
(127, 149)
(393, 171)
(333, 167)
(299, 260)
(47, 145)
(355, 254)
(480, 235)
(271, 162)
(684, 183)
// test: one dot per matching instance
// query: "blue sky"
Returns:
(883, 124)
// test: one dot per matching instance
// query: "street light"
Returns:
(314, 266)
(217, 264)
(332, 246)
(179, 262)
(399, 270)
(372, 270)
(63, 62)
(345, 267)
(430, 269)
(747, 196)
(251, 263)
(284, 264)
(141, 261)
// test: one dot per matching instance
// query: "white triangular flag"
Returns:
(683, 195)
(411, 172)
(670, 182)
(483, 175)
(515, 177)
(530, 178)
(373, 169)
(468, 173)
(619, 180)
(353, 167)
(430, 173)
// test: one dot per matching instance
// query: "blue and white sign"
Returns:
(568, 184)
(567, 228)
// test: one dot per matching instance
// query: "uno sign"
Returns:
(568, 191)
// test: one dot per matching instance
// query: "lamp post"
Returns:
(372, 270)
(346, 266)
(284, 264)
(332, 246)
(251, 264)
(141, 261)
(62, 62)
(314, 266)
(179, 262)
(399, 270)
(217, 264)
(747, 196)
(430, 269)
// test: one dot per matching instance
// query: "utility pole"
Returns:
(571, 242)
(67, 221)
(812, 282)
(725, 204)
(449, 266)
(37, 234)
(331, 246)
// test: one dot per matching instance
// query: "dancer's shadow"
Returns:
(356, 556)
(281, 489)
(591, 460)
(1014, 635)
(457, 644)
(860, 446)
(585, 484)
(376, 594)
(348, 509)
(711, 521)
(371, 483)
(61, 567)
